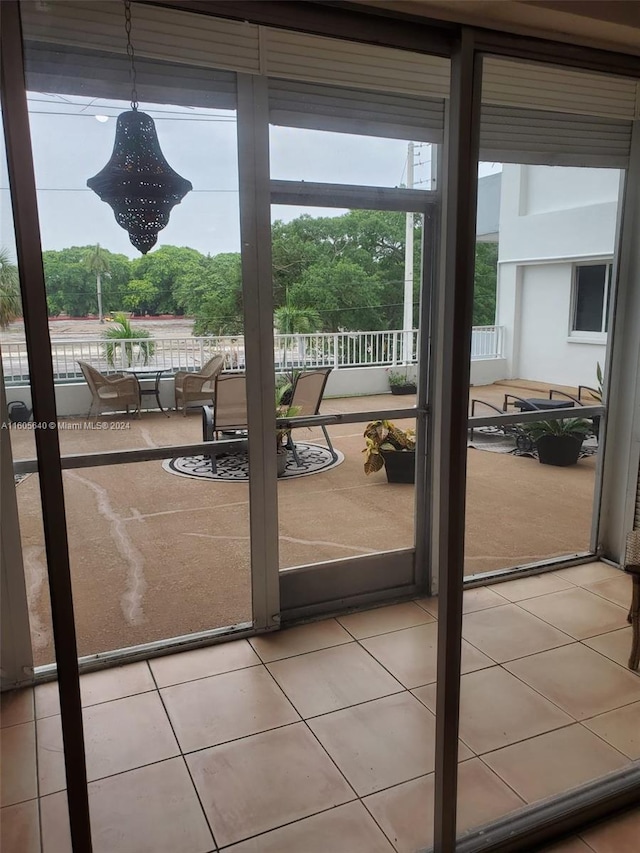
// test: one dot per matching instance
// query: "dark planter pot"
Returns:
(18, 412)
(410, 388)
(596, 426)
(559, 450)
(400, 465)
(281, 457)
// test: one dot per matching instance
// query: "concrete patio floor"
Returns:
(155, 555)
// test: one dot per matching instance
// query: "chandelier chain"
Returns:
(130, 54)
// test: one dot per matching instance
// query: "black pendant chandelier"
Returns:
(137, 182)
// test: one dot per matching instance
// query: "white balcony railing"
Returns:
(337, 350)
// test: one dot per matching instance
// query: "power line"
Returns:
(87, 190)
(150, 112)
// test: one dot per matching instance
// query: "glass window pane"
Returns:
(590, 286)
(158, 549)
(343, 158)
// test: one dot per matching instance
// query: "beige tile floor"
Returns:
(322, 737)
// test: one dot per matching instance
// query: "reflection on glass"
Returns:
(340, 285)
(158, 549)
(140, 317)
(342, 158)
(539, 333)
(540, 311)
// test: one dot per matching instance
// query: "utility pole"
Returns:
(407, 324)
(99, 289)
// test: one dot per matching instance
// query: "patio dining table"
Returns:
(146, 375)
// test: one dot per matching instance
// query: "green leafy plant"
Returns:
(399, 378)
(597, 392)
(10, 304)
(384, 435)
(576, 427)
(284, 410)
(128, 341)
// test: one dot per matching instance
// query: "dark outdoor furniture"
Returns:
(632, 567)
(306, 398)
(143, 375)
(533, 404)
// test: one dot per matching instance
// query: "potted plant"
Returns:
(394, 448)
(559, 442)
(283, 410)
(401, 383)
(596, 393)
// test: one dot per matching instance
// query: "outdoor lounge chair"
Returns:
(306, 398)
(632, 566)
(229, 410)
(197, 387)
(116, 392)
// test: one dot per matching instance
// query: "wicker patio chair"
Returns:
(116, 392)
(197, 387)
(306, 398)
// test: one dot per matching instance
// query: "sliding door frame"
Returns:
(449, 387)
(329, 586)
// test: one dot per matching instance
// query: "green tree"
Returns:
(71, 286)
(343, 294)
(140, 296)
(216, 299)
(485, 284)
(175, 271)
(10, 304)
(97, 262)
(313, 257)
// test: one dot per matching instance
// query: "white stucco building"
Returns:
(556, 246)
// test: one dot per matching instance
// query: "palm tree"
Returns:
(97, 262)
(10, 303)
(127, 342)
(292, 320)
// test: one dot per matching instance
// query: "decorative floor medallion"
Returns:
(234, 467)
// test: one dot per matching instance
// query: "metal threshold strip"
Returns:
(144, 651)
(538, 825)
(540, 567)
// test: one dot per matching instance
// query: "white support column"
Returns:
(407, 322)
(255, 232)
(621, 457)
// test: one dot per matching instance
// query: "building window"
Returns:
(592, 285)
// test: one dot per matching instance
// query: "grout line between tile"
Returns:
(606, 742)
(313, 734)
(564, 631)
(184, 760)
(392, 630)
(504, 781)
(602, 654)
(290, 823)
(604, 597)
(95, 704)
(311, 651)
(203, 677)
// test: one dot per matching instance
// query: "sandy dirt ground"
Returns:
(81, 327)
(155, 555)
